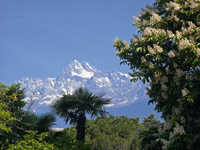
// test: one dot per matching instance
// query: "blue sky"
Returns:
(39, 38)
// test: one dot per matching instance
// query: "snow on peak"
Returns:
(89, 68)
(123, 74)
(75, 65)
(83, 70)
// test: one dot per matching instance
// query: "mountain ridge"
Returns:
(117, 85)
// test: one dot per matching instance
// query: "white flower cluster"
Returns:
(189, 77)
(173, 5)
(142, 13)
(164, 79)
(158, 48)
(151, 50)
(165, 144)
(193, 4)
(178, 34)
(191, 40)
(116, 40)
(157, 32)
(160, 130)
(175, 65)
(175, 110)
(139, 15)
(144, 23)
(157, 74)
(137, 21)
(184, 30)
(167, 70)
(155, 17)
(183, 43)
(182, 119)
(179, 73)
(172, 16)
(127, 46)
(184, 92)
(147, 31)
(170, 34)
(171, 54)
(164, 87)
(177, 130)
(140, 38)
(175, 18)
(151, 65)
(118, 52)
(143, 59)
(192, 26)
(190, 29)
(167, 124)
(197, 21)
(134, 40)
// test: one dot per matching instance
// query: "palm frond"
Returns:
(45, 122)
(69, 106)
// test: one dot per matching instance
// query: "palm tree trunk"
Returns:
(81, 127)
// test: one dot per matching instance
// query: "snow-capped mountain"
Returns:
(117, 86)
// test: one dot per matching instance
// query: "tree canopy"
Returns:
(117, 132)
(166, 53)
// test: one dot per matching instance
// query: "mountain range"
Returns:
(128, 96)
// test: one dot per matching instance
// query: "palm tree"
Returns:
(74, 107)
(45, 122)
(32, 121)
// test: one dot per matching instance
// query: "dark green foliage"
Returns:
(64, 141)
(150, 134)
(45, 122)
(151, 122)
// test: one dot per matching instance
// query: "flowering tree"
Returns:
(166, 53)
